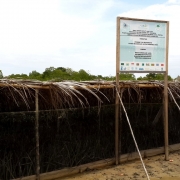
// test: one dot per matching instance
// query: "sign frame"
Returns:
(118, 53)
(165, 93)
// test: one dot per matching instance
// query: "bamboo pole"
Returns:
(37, 135)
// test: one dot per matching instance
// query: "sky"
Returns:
(76, 34)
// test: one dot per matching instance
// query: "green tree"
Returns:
(140, 78)
(35, 75)
(178, 78)
(127, 76)
(1, 74)
(70, 71)
(83, 75)
(18, 76)
(57, 74)
(154, 76)
(62, 69)
(48, 73)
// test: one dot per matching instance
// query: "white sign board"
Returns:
(142, 45)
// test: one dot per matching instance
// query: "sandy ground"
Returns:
(156, 166)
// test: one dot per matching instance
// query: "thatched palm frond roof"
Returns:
(68, 94)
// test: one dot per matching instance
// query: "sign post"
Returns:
(166, 144)
(117, 98)
(142, 47)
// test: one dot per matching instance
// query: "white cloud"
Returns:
(38, 27)
(40, 32)
(173, 1)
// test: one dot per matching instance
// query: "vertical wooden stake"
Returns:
(117, 86)
(37, 136)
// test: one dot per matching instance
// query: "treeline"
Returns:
(61, 74)
(154, 76)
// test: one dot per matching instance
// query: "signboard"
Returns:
(142, 45)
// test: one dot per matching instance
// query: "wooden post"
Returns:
(166, 142)
(166, 139)
(37, 135)
(120, 125)
(117, 98)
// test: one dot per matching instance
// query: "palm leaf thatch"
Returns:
(58, 94)
(70, 94)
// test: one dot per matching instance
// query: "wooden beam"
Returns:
(96, 86)
(24, 85)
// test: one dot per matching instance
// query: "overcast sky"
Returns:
(77, 34)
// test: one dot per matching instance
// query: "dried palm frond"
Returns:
(70, 94)
(62, 93)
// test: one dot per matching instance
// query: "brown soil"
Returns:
(156, 166)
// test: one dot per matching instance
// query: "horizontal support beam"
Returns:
(99, 86)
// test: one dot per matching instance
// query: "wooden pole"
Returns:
(166, 138)
(117, 98)
(120, 124)
(117, 132)
(37, 135)
(166, 142)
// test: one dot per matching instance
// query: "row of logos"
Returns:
(142, 26)
(141, 64)
(124, 68)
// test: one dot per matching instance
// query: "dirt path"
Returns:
(156, 166)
